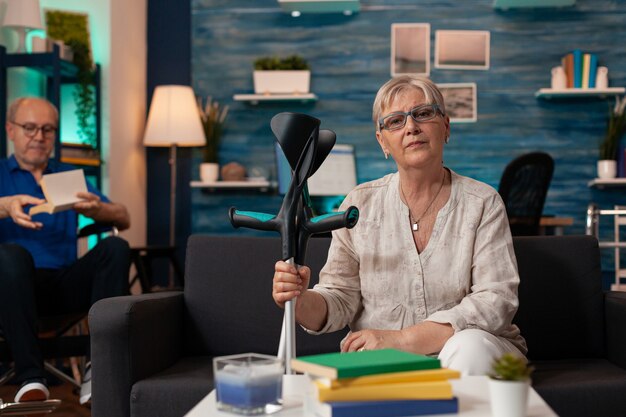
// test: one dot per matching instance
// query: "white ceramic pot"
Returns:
(602, 77)
(508, 398)
(209, 171)
(282, 82)
(607, 168)
(559, 79)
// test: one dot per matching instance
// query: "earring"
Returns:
(386, 155)
(447, 139)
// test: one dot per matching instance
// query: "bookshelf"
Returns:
(57, 72)
(550, 93)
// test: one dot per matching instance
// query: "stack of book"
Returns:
(377, 383)
(78, 154)
(580, 69)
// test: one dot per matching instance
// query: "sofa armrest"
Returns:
(132, 337)
(615, 310)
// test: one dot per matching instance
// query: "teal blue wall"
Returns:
(349, 56)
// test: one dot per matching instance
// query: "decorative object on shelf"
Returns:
(297, 7)
(212, 116)
(558, 80)
(610, 145)
(273, 75)
(73, 30)
(22, 16)
(602, 77)
(508, 386)
(173, 121)
(233, 171)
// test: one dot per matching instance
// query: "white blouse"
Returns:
(467, 276)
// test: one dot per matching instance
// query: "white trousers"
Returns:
(472, 351)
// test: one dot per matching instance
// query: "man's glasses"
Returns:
(397, 120)
(31, 129)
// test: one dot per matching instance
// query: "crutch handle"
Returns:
(252, 219)
(333, 221)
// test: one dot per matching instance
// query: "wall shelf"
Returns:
(507, 4)
(607, 182)
(257, 98)
(251, 184)
(549, 93)
(296, 7)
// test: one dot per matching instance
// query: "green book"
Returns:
(368, 362)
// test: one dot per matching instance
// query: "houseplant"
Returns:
(610, 145)
(213, 116)
(508, 386)
(72, 28)
(273, 75)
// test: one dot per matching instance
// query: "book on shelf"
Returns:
(568, 65)
(391, 408)
(578, 68)
(593, 70)
(59, 190)
(586, 62)
(428, 390)
(368, 362)
(442, 374)
(79, 154)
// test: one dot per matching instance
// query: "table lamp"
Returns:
(173, 121)
(22, 15)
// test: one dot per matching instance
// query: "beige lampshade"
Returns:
(23, 14)
(174, 118)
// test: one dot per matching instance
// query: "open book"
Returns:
(60, 191)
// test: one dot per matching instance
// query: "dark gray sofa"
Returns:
(151, 354)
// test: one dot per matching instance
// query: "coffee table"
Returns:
(472, 391)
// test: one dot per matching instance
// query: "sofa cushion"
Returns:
(174, 391)
(581, 387)
(228, 298)
(561, 303)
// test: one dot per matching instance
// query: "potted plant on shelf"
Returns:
(273, 75)
(508, 386)
(212, 116)
(610, 145)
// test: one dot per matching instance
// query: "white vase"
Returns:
(508, 398)
(209, 171)
(602, 77)
(559, 79)
(607, 168)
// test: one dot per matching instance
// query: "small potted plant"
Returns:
(609, 147)
(213, 117)
(508, 386)
(273, 75)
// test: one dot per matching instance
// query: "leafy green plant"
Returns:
(213, 117)
(616, 127)
(510, 367)
(72, 28)
(270, 63)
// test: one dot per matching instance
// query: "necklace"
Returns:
(415, 224)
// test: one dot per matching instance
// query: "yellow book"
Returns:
(433, 390)
(586, 66)
(442, 374)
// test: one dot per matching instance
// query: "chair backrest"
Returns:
(229, 307)
(561, 302)
(523, 187)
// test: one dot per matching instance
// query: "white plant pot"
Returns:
(209, 171)
(508, 398)
(282, 82)
(607, 168)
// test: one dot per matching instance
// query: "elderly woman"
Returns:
(430, 266)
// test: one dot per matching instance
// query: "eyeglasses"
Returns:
(31, 129)
(397, 120)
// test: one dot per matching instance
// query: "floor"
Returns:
(65, 392)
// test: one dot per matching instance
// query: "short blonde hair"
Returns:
(398, 85)
(15, 106)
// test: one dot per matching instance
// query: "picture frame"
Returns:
(410, 49)
(460, 100)
(462, 49)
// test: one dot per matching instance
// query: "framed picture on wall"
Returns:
(410, 48)
(460, 101)
(462, 49)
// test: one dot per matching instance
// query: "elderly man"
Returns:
(41, 274)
